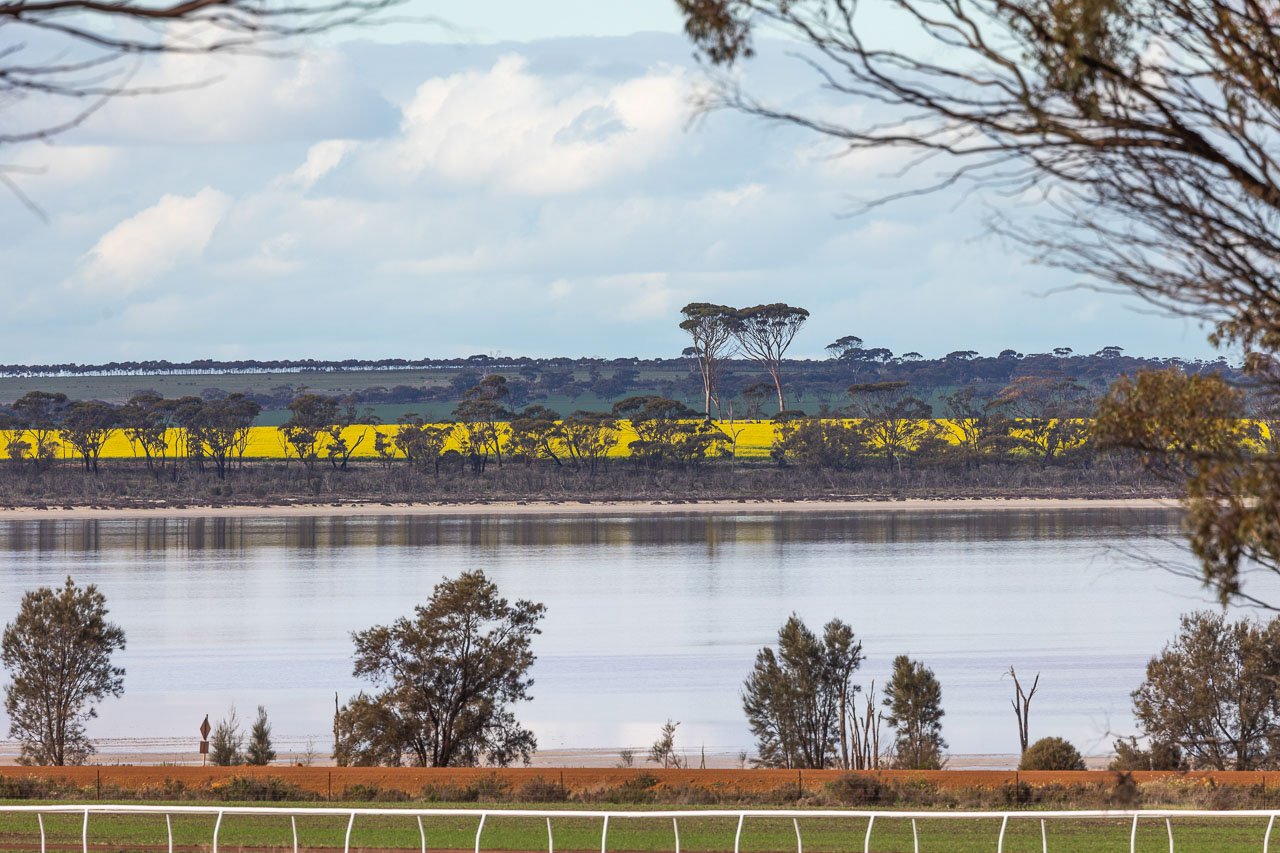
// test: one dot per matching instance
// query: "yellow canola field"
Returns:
(754, 440)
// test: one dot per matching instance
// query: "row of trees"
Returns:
(1037, 418)
(445, 682)
(211, 432)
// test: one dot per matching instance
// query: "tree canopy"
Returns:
(797, 697)
(448, 678)
(58, 652)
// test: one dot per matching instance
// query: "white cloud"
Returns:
(514, 131)
(173, 231)
(226, 98)
(322, 158)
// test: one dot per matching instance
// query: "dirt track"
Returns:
(330, 782)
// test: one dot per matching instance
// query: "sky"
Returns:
(521, 179)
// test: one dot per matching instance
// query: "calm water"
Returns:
(647, 617)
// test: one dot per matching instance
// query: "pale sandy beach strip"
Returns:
(591, 508)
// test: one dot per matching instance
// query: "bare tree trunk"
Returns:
(1022, 706)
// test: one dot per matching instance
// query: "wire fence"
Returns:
(423, 817)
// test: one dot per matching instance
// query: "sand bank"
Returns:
(562, 508)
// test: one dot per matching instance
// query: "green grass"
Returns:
(697, 835)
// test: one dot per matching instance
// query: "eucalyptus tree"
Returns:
(712, 329)
(765, 333)
(447, 680)
(58, 652)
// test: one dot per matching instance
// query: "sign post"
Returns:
(205, 728)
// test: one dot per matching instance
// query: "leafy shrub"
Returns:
(449, 793)
(638, 789)
(1158, 756)
(265, 789)
(541, 790)
(854, 789)
(1051, 753)
(361, 793)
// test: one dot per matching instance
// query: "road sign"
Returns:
(204, 747)
(205, 728)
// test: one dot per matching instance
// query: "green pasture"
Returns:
(697, 834)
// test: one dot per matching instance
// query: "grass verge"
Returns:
(638, 835)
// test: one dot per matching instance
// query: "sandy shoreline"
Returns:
(549, 508)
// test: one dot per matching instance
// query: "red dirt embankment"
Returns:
(333, 781)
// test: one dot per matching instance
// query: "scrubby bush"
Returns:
(1051, 753)
(1159, 755)
(253, 788)
(541, 790)
(854, 789)
(361, 793)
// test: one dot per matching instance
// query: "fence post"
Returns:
(1168, 825)
(866, 842)
(799, 843)
(217, 827)
(168, 828)
(604, 835)
(675, 824)
(480, 829)
(915, 837)
(293, 825)
(346, 842)
(1133, 835)
(551, 841)
(1044, 838)
(737, 836)
(40, 820)
(422, 833)
(84, 834)
(1266, 841)
(1004, 824)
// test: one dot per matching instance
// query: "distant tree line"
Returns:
(730, 383)
(1038, 421)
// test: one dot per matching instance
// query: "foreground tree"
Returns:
(1192, 431)
(226, 746)
(663, 751)
(448, 679)
(1213, 693)
(913, 698)
(797, 698)
(260, 751)
(68, 57)
(58, 651)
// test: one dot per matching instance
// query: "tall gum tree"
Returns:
(712, 329)
(765, 333)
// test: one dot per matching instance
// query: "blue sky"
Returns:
(521, 182)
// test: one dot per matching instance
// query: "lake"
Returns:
(648, 617)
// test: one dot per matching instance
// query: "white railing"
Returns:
(795, 815)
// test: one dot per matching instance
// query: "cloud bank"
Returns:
(551, 198)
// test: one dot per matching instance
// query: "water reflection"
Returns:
(491, 532)
(649, 617)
